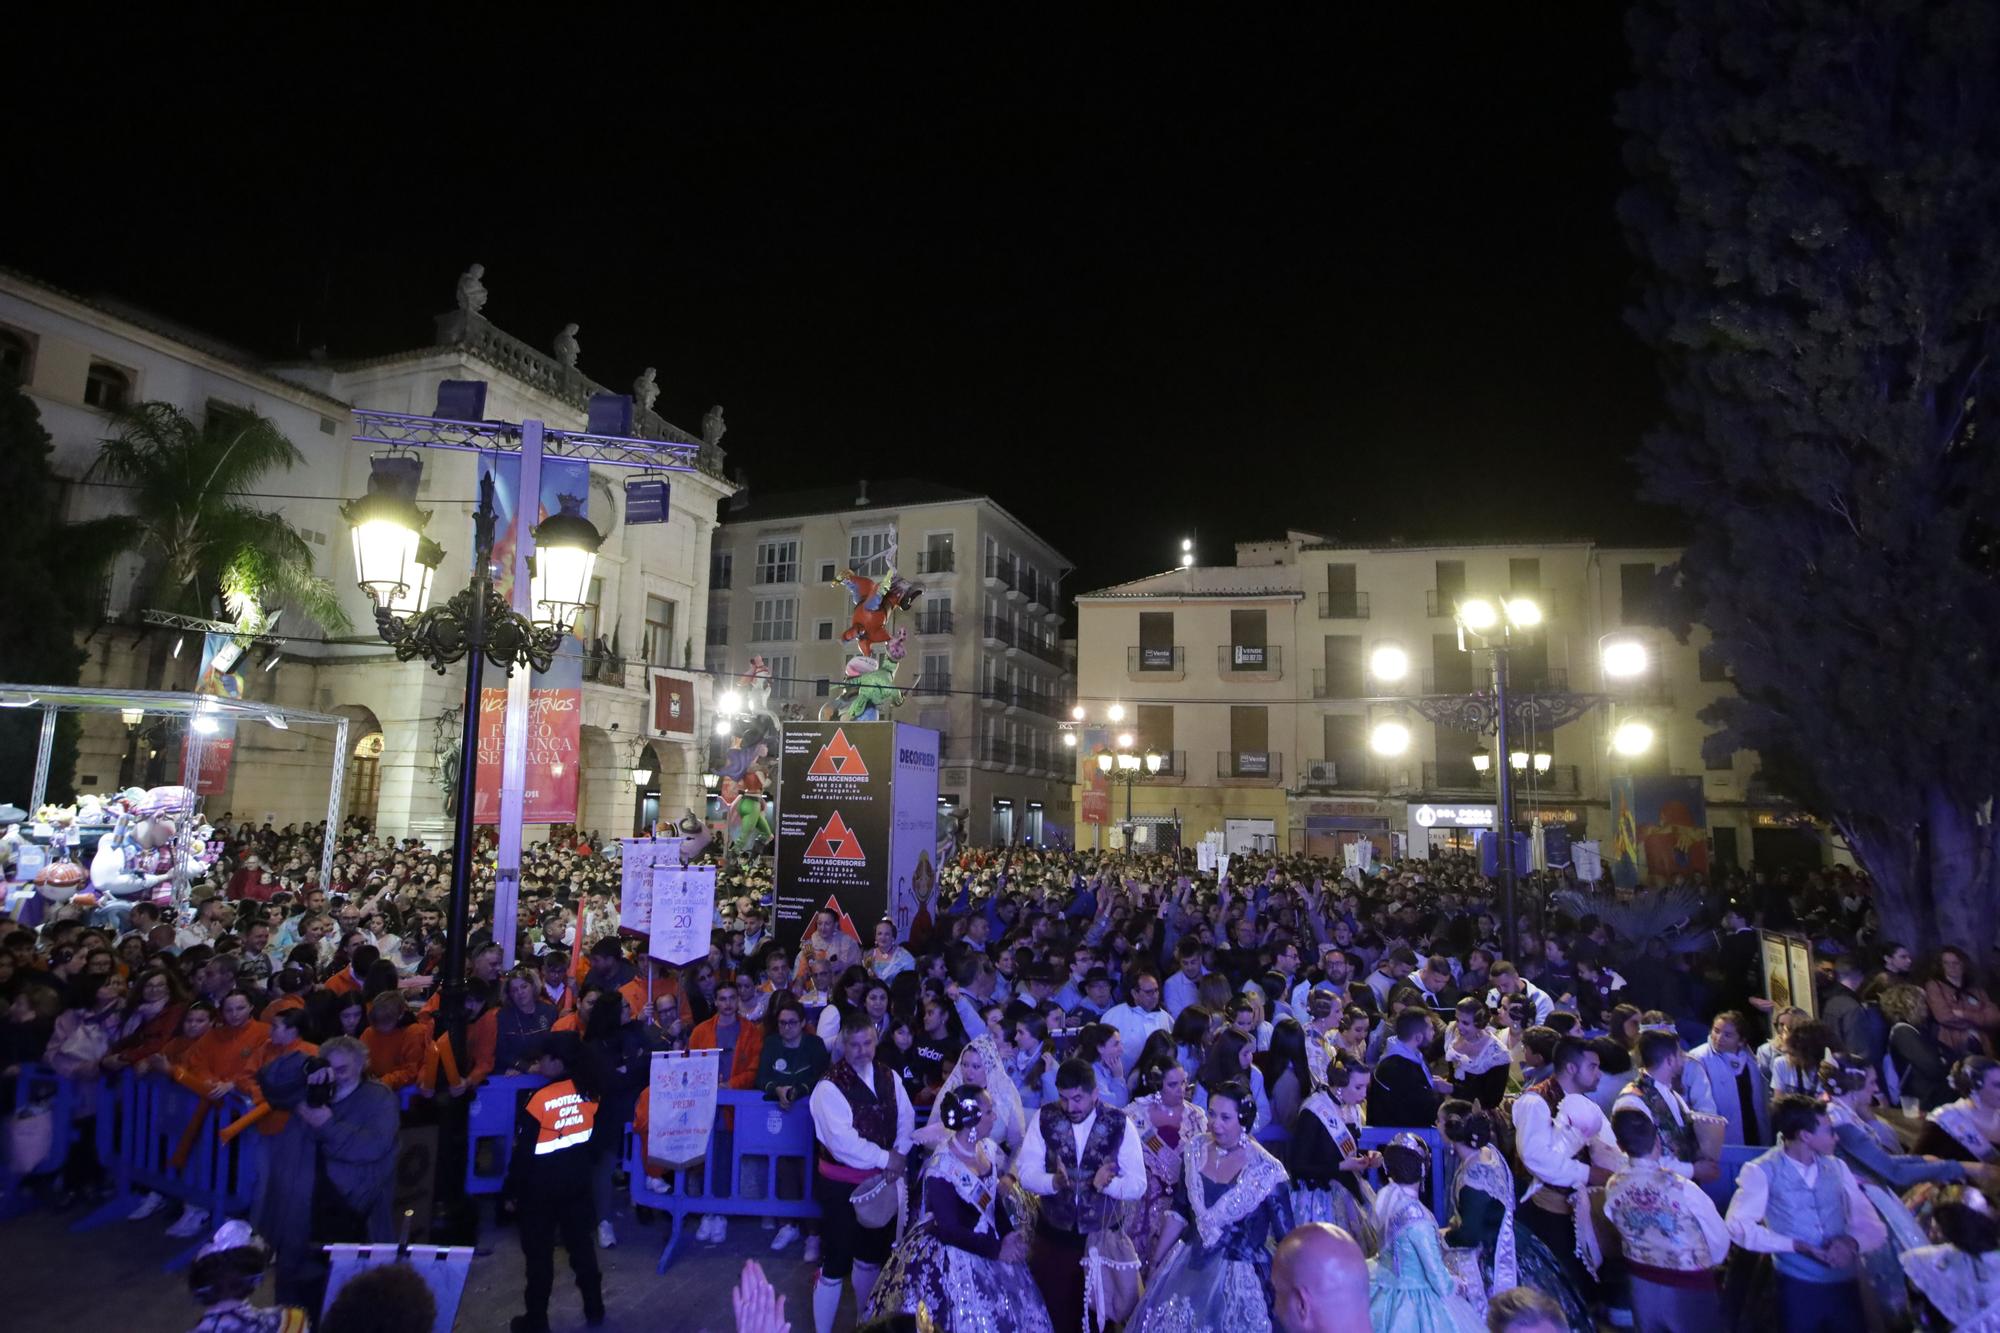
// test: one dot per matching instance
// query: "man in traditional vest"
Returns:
(1673, 1239)
(1652, 1091)
(1086, 1165)
(550, 1174)
(1800, 1204)
(862, 1124)
(1566, 1147)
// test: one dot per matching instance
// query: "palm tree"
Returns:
(202, 542)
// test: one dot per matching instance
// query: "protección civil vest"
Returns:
(564, 1117)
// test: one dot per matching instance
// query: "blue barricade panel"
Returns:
(496, 1104)
(47, 1097)
(763, 1147)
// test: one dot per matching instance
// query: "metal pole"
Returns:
(334, 797)
(520, 702)
(44, 753)
(448, 1186)
(1504, 765)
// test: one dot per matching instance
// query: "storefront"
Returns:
(1328, 826)
(1447, 829)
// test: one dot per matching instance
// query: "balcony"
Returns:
(934, 620)
(1457, 679)
(716, 636)
(1053, 654)
(1343, 684)
(1249, 662)
(1441, 603)
(1002, 753)
(1156, 663)
(1545, 680)
(997, 632)
(1343, 606)
(1250, 768)
(940, 684)
(1462, 777)
(937, 562)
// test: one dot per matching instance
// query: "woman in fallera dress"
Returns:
(963, 1262)
(1486, 1252)
(1212, 1261)
(1325, 1160)
(1409, 1288)
(1166, 1121)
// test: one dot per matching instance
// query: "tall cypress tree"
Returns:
(1817, 211)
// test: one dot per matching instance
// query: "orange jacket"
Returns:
(151, 1037)
(480, 1040)
(226, 1055)
(396, 1057)
(749, 1049)
(343, 982)
(281, 1004)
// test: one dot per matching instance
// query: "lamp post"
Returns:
(1123, 766)
(394, 564)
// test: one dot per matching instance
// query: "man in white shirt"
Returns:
(1184, 986)
(1562, 1139)
(1652, 1091)
(1084, 1161)
(1800, 1204)
(862, 1127)
(1508, 982)
(1674, 1240)
(1139, 1017)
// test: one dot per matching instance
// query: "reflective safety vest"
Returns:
(564, 1117)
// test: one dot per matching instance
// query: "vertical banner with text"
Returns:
(556, 697)
(913, 841)
(219, 655)
(834, 821)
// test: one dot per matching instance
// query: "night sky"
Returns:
(1361, 277)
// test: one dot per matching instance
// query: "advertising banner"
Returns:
(219, 655)
(682, 1106)
(683, 912)
(555, 715)
(1624, 859)
(913, 841)
(1096, 785)
(673, 705)
(834, 823)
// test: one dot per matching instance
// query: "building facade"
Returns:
(992, 673)
(81, 360)
(1256, 679)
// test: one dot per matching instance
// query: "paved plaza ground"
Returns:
(110, 1279)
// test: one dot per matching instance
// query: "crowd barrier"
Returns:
(489, 1146)
(154, 1135)
(42, 1104)
(762, 1135)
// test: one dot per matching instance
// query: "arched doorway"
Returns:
(361, 785)
(649, 807)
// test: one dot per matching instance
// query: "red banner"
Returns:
(554, 718)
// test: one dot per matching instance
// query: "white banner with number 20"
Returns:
(683, 913)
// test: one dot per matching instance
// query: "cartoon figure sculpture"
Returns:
(871, 685)
(873, 600)
(136, 859)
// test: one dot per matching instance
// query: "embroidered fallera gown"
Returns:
(1325, 1134)
(949, 1261)
(1160, 1148)
(1410, 1290)
(1487, 1253)
(1218, 1275)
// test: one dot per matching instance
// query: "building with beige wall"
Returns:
(993, 673)
(81, 359)
(1272, 745)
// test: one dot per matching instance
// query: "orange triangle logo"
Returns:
(835, 842)
(838, 759)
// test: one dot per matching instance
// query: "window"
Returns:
(1713, 669)
(721, 567)
(774, 618)
(1156, 729)
(936, 676)
(1636, 593)
(17, 356)
(107, 387)
(822, 686)
(716, 661)
(1344, 742)
(782, 683)
(1524, 575)
(823, 630)
(660, 631)
(778, 561)
(867, 552)
(718, 623)
(937, 556)
(1450, 584)
(1246, 642)
(589, 621)
(1451, 670)
(1343, 667)
(828, 573)
(229, 416)
(1723, 763)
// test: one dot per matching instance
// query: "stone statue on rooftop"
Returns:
(471, 291)
(567, 346)
(711, 426)
(644, 390)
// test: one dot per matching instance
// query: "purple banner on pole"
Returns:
(913, 836)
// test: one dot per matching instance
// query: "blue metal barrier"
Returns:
(496, 1105)
(38, 1086)
(141, 1122)
(761, 1133)
(1443, 1164)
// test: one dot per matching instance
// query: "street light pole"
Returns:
(1503, 755)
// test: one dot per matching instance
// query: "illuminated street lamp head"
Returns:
(1481, 761)
(1523, 612)
(711, 780)
(132, 716)
(1128, 763)
(1477, 614)
(723, 727)
(1187, 543)
(1518, 761)
(559, 571)
(1389, 662)
(1069, 739)
(729, 701)
(1153, 761)
(1124, 740)
(1079, 713)
(1116, 712)
(1623, 656)
(387, 525)
(1105, 759)
(1389, 739)
(1632, 738)
(641, 776)
(1543, 759)
(1187, 559)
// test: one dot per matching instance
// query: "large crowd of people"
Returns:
(1096, 1088)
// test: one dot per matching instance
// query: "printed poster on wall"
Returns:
(683, 913)
(555, 708)
(681, 1107)
(913, 843)
(834, 823)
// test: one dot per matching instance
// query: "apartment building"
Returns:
(1259, 681)
(991, 670)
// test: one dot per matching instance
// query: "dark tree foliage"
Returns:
(1817, 210)
(46, 600)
